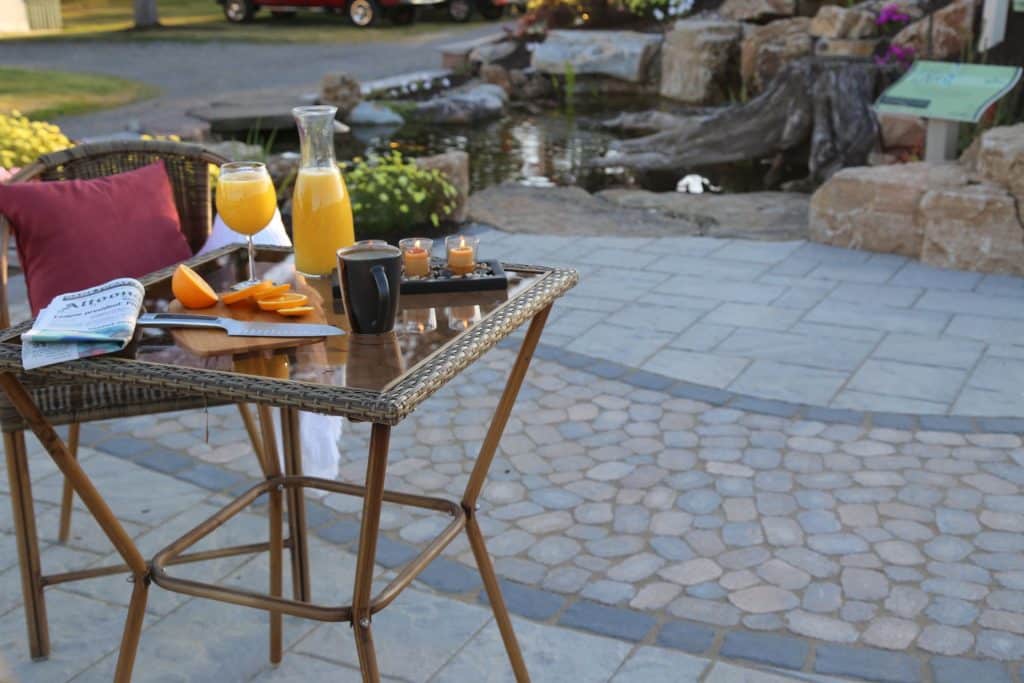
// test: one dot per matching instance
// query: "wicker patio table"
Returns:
(380, 380)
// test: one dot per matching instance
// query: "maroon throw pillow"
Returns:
(73, 234)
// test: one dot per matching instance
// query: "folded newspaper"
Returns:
(91, 322)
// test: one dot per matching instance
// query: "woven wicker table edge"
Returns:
(387, 407)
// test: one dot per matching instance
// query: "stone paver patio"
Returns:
(639, 504)
(795, 321)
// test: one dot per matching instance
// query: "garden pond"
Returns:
(546, 148)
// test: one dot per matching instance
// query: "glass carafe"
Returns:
(321, 208)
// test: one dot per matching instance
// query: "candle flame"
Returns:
(462, 241)
(416, 244)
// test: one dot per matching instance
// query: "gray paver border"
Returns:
(637, 626)
(643, 379)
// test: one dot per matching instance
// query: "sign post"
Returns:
(946, 94)
(993, 24)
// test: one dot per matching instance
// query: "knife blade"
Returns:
(237, 328)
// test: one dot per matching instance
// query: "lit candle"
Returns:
(419, 320)
(461, 254)
(463, 317)
(416, 256)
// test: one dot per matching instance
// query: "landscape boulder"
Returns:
(490, 53)
(766, 49)
(845, 47)
(496, 74)
(373, 114)
(234, 150)
(757, 10)
(625, 55)
(875, 207)
(833, 21)
(952, 31)
(902, 132)
(477, 103)
(697, 58)
(1000, 158)
(972, 227)
(531, 85)
(454, 166)
(964, 215)
(342, 91)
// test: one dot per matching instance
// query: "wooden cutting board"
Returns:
(204, 343)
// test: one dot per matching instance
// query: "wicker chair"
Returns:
(188, 168)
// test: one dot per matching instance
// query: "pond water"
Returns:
(547, 148)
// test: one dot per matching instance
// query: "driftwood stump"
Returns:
(820, 104)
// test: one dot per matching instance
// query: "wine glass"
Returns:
(246, 201)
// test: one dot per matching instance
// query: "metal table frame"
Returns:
(283, 489)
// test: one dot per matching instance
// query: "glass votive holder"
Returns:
(461, 318)
(419, 320)
(416, 256)
(461, 251)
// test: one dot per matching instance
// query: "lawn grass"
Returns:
(43, 94)
(203, 20)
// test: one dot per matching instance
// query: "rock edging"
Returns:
(966, 215)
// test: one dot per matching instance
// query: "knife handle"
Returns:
(179, 320)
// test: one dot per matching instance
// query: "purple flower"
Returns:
(892, 14)
(904, 54)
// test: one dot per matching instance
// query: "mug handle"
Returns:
(380, 278)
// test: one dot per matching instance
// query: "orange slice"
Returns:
(191, 289)
(240, 295)
(294, 311)
(256, 291)
(290, 300)
(273, 290)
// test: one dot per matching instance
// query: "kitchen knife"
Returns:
(237, 328)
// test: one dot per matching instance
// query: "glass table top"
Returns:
(379, 378)
(425, 324)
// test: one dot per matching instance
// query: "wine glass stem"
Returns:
(252, 259)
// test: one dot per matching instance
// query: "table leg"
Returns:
(97, 507)
(132, 630)
(67, 497)
(376, 470)
(296, 505)
(28, 545)
(251, 429)
(476, 483)
(272, 469)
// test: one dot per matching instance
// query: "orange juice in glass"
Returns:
(246, 202)
(321, 209)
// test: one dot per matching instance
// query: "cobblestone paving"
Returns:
(795, 321)
(845, 533)
(442, 638)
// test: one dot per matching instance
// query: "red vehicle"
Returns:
(365, 12)
(360, 12)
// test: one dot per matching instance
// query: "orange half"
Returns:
(290, 300)
(295, 311)
(191, 290)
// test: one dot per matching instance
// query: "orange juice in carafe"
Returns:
(321, 219)
(321, 208)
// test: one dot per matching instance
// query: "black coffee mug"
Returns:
(370, 274)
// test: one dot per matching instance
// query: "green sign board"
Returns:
(940, 90)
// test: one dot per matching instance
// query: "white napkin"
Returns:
(319, 436)
(273, 235)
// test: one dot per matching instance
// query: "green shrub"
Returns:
(391, 195)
